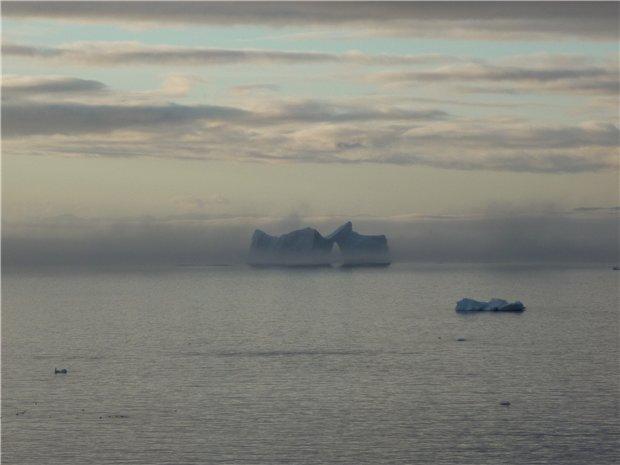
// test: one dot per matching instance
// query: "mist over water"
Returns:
(204, 239)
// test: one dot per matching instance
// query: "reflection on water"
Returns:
(242, 366)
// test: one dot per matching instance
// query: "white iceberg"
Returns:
(493, 305)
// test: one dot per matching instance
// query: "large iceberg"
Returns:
(303, 247)
(361, 250)
(493, 305)
(307, 247)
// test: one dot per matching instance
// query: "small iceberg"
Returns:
(493, 305)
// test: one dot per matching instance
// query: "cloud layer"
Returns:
(548, 78)
(507, 20)
(135, 53)
(537, 73)
(24, 86)
(394, 109)
(34, 118)
(50, 115)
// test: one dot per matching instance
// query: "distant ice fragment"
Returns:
(493, 305)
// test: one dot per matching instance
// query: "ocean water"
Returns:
(234, 365)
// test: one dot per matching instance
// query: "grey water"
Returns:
(234, 365)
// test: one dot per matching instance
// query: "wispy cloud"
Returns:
(471, 20)
(25, 118)
(34, 85)
(38, 118)
(540, 78)
(133, 53)
(289, 130)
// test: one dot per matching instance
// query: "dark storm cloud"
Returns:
(588, 20)
(204, 239)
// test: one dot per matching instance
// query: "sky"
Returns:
(168, 131)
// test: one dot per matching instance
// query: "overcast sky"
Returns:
(195, 118)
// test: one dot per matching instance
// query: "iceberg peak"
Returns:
(307, 247)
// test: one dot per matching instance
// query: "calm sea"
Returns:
(234, 365)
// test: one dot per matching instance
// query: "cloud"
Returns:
(178, 85)
(520, 163)
(280, 130)
(36, 118)
(497, 73)
(547, 77)
(30, 85)
(135, 53)
(457, 144)
(309, 132)
(22, 119)
(470, 20)
(212, 239)
(312, 110)
(517, 135)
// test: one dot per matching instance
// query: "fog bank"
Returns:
(203, 240)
